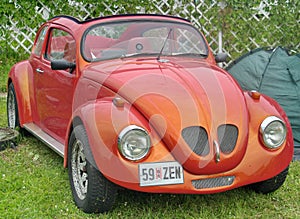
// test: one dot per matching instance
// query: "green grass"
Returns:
(34, 184)
(4, 69)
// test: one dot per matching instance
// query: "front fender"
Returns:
(21, 76)
(103, 122)
(259, 109)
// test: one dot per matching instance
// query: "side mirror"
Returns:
(221, 57)
(62, 65)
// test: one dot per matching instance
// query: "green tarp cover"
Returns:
(276, 74)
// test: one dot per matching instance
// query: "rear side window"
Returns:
(39, 42)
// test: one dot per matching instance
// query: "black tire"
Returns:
(12, 108)
(92, 192)
(270, 185)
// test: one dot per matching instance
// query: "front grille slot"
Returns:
(213, 182)
(227, 137)
(197, 139)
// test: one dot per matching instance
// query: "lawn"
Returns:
(34, 184)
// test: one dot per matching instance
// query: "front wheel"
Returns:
(92, 192)
(270, 185)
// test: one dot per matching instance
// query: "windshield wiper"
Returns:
(165, 42)
(137, 54)
(190, 54)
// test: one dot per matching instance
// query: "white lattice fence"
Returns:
(197, 12)
(228, 29)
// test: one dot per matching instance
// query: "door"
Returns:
(54, 88)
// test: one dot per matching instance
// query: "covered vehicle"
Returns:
(275, 73)
(137, 101)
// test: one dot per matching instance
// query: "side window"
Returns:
(39, 42)
(61, 45)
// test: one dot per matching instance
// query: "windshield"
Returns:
(142, 38)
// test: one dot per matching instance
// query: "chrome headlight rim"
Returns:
(122, 139)
(265, 125)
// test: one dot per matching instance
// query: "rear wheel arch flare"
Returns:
(22, 86)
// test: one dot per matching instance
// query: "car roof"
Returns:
(72, 21)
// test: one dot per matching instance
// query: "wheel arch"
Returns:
(19, 76)
(77, 121)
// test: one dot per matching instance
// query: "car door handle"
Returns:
(38, 70)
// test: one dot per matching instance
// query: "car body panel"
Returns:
(20, 76)
(125, 173)
(179, 89)
(161, 93)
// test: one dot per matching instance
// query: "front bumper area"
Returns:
(257, 165)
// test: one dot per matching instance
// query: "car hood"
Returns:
(196, 108)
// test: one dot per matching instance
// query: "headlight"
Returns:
(134, 142)
(273, 132)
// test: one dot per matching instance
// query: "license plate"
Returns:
(164, 173)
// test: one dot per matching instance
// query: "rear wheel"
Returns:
(12, 108)
(92, 192)
(270, 185)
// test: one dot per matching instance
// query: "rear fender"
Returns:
(21, 76)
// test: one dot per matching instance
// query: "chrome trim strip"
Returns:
(217, 151)
(45, 138)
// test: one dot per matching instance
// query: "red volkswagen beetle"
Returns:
(137, 101)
